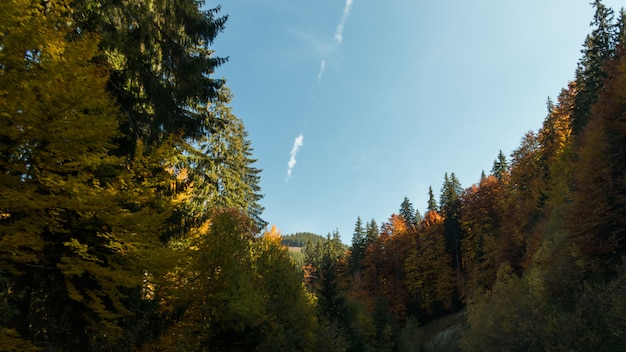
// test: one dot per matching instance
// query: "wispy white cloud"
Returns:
(321, 71)
(297, 143)
(313, 45)
(346, 12)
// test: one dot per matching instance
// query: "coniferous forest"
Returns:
(130, 216)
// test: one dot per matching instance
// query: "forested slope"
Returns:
(130, 216)
(534, 250)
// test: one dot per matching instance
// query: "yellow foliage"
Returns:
(273, 235)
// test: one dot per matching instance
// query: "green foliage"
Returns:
(451, 210)
(503, 318)
(129, 204)
(238, 293)
(218, 168)
(432, 203)
(325, 253)
(301, 239)
(297, 257)
(359, 245)
(429, 276)
(500, 166)
(76, 221)
(598, 49)
(161, 65)
(371, 231)
(408, 213)
(481, 213)
(598, 178)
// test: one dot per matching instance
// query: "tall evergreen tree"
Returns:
(408, 213)
(418, 216)
(429, 277)
(500, 166)
(596, 217)
(161, 61)
(450, 208)
(450, 191)
(432, 203)
(359, 244)
(221, 170)
(598, 48)
(371, 231)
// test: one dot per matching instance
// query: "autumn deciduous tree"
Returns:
(214, 289)
(76, 222)
(289, 323)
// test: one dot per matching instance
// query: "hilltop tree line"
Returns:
(130, 216)
(535, 251)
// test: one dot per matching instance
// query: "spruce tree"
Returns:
(432, 203)
(450, 192)
(359, 244)
(371, 231)
(598, 48)
(162, 65)
(408, 213)
(500, 166)
(220, 167)
(450, 208)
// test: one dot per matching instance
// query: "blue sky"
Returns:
(353, 105)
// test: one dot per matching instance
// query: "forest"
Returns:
(131, 217)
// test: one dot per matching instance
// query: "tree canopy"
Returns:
(131, 216)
